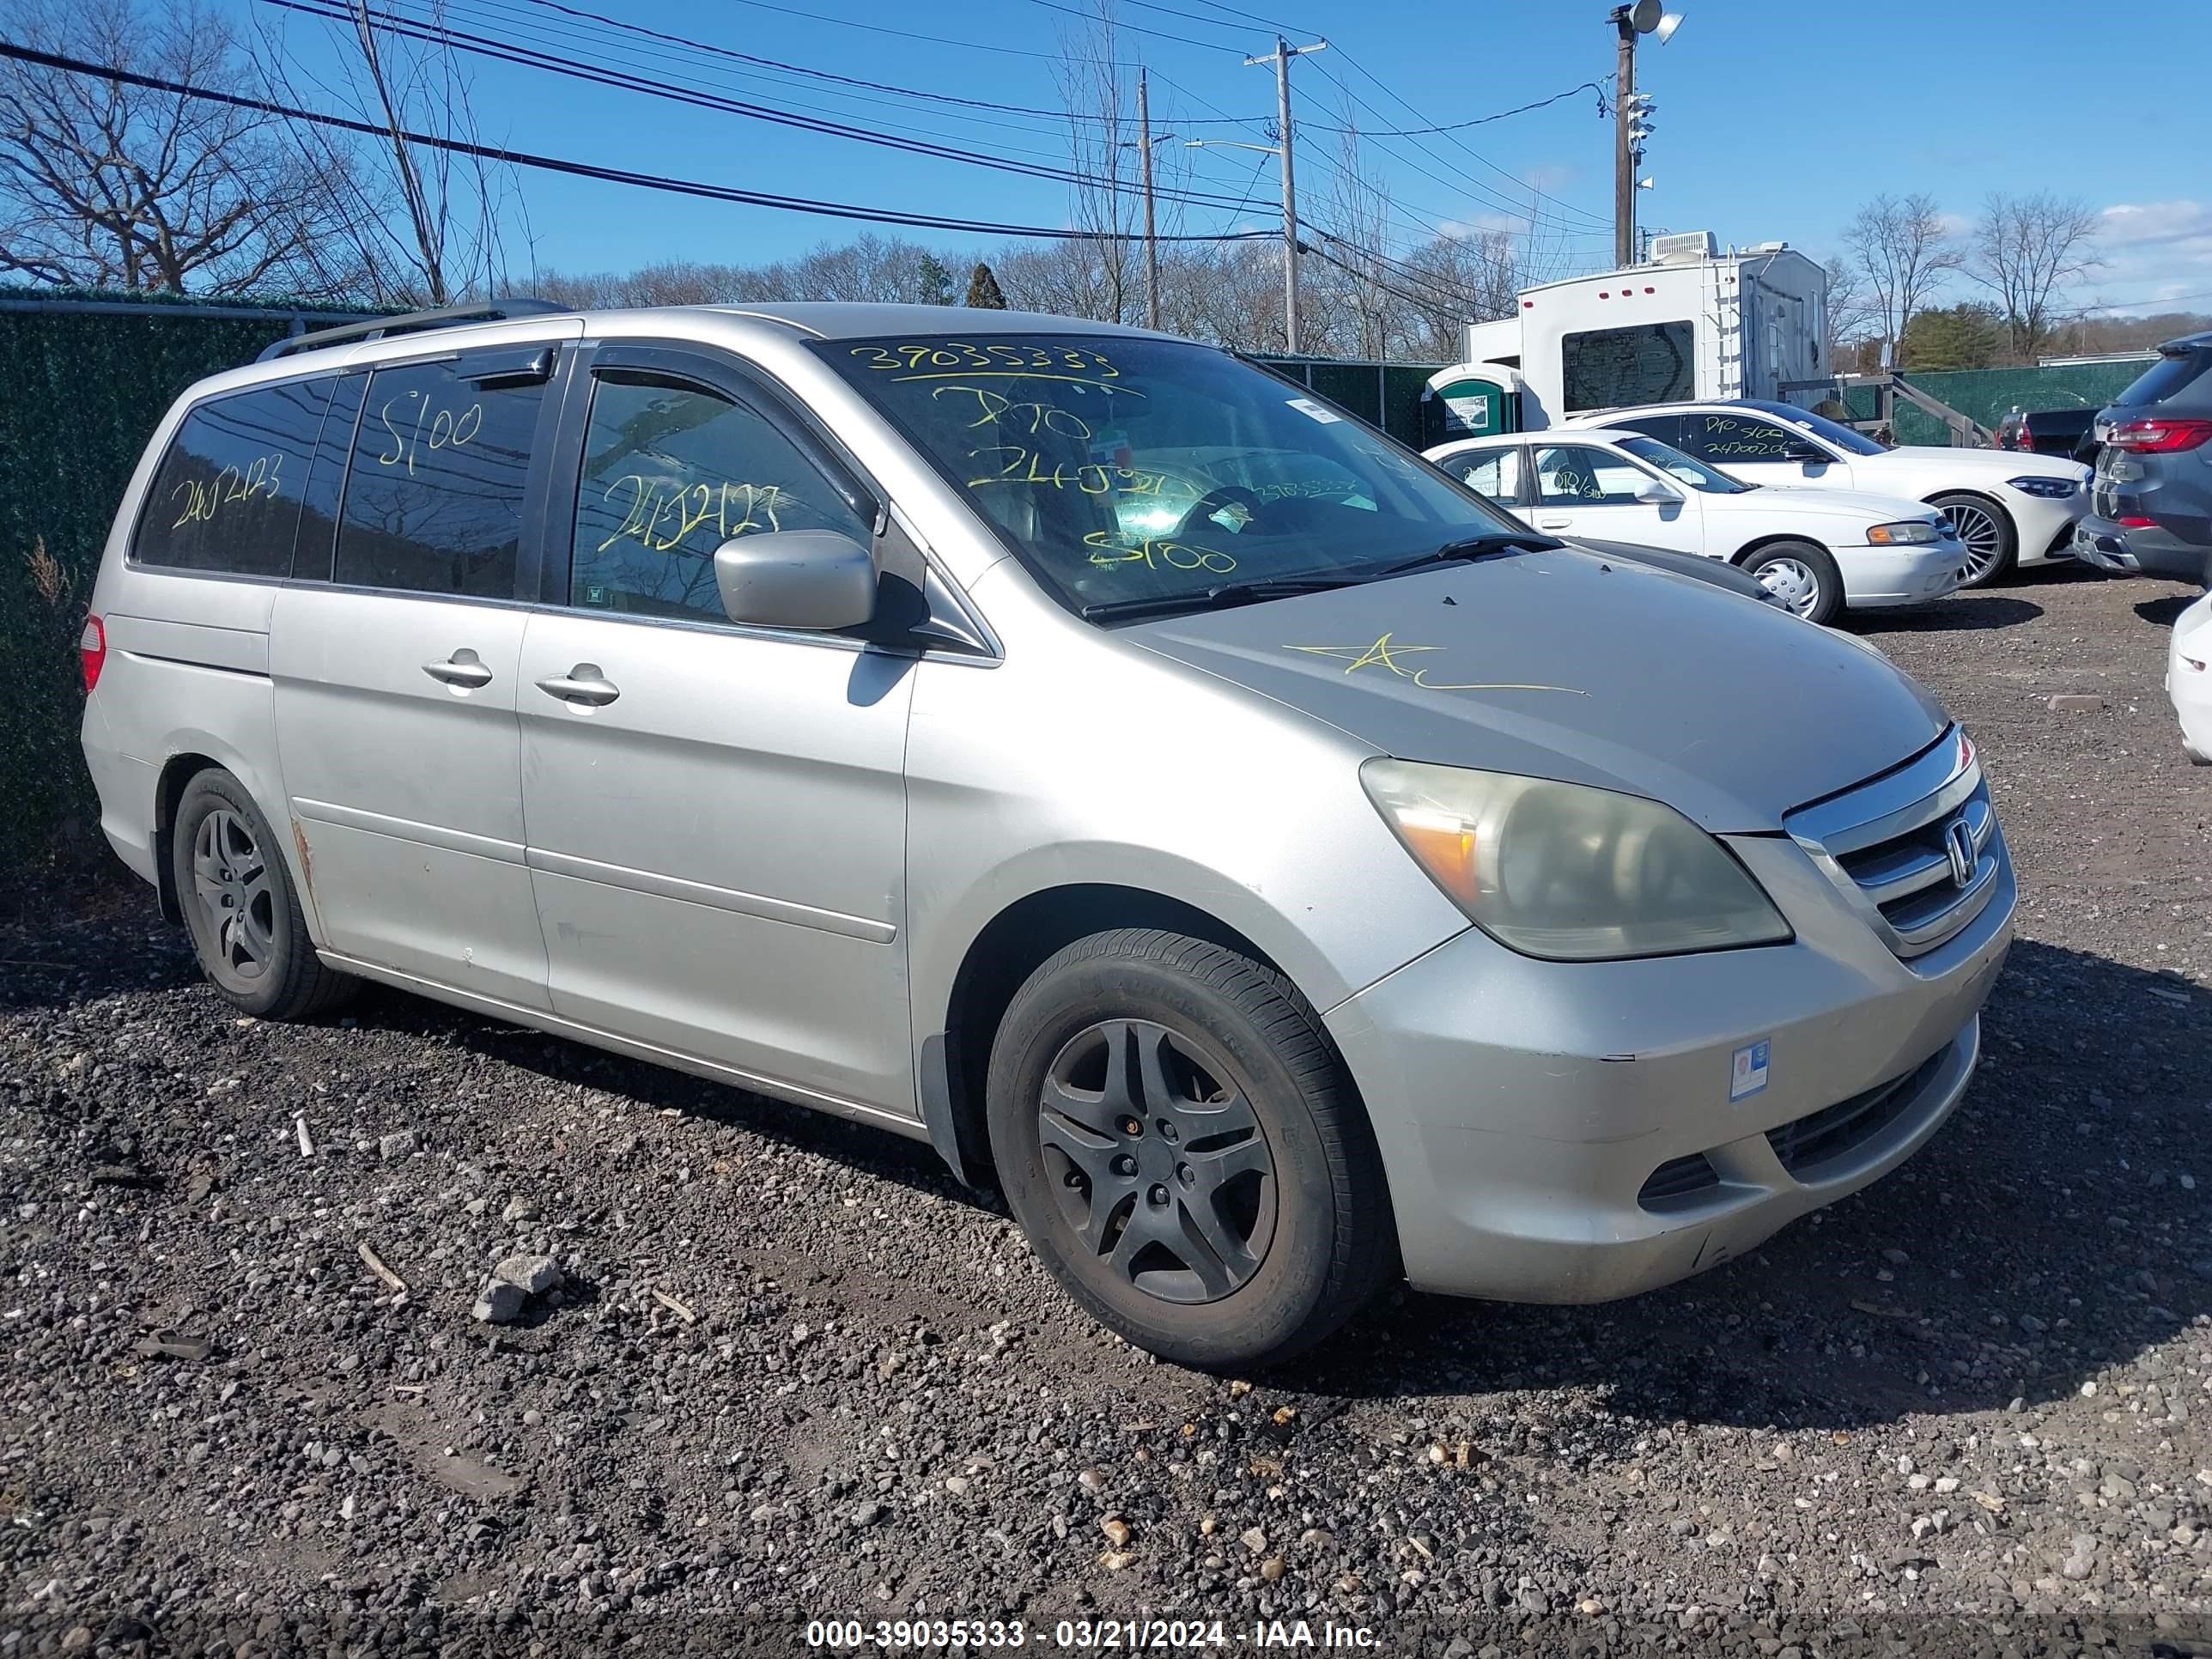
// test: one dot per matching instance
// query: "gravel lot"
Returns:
(796, 1372)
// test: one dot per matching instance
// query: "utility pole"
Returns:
(1631, 115)
(1623, 154)
(1152, 243)
(1280, 58)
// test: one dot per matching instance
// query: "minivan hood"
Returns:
(1562, 664)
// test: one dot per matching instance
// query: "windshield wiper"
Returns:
(1211, 599)
(1474, 547)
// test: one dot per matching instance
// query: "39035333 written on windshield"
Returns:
(1120, 469)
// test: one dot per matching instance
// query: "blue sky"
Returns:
(1774, 120)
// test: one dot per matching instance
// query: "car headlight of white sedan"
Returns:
(2049, 489)
(1909, 532)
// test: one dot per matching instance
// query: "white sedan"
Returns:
(2189, 679)
(1817, 551)
(2009, 508)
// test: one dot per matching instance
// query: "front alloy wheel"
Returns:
(1179, 1141)
(1983, 533)
(1158, 1165)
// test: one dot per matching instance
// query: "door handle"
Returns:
(464, 668)
(583, 683)
(1555, 523)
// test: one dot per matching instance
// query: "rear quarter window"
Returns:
(227, 496)
(2178, 379)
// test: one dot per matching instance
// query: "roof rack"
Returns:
(411, 322)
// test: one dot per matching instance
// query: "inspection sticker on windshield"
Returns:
(1312, 410)
(1747, 1069)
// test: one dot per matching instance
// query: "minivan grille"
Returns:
(1836, 1129)
(1916, 851)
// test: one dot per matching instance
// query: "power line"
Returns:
(1139, 28)
(1567, 208)
(621, 80)
(732, 193)
(1478, 121)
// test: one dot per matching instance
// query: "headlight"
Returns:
(2050, 489)
(1912, 532)
(1570, 873)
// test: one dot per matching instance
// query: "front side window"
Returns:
(434, 497)
(1609, 367)
(227, 496)
(1492, 473)
(1724, 438)
(670, 472)
(1582, 474)
(1121, 470)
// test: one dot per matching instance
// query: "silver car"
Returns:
(1072, 746)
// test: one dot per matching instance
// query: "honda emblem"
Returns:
(1959, 844)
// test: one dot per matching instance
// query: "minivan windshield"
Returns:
(1134, 475)
(1688, 469)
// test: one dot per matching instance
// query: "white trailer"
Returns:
(1691, 323)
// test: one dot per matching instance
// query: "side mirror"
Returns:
(1810, 454)
(812, 579)
(1652, 493)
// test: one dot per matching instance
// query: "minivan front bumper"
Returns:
(1575, 1132)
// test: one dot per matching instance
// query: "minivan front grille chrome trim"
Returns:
(1916, 852)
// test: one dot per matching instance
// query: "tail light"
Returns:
(2024, 439)
(2157, 435)
(92, 649)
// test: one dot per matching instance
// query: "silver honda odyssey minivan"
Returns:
(1281, 871)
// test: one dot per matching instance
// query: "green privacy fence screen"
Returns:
(1987, 395)
(89, 377)
(1384, 394)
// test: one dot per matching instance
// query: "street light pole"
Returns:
(1280, 58)
(1152, 243)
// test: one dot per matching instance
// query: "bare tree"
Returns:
(106, 184)
(1352, 288)
(426, 224)
(1904, 253)
(1464, 279)
(1849, 308)
(2026, 249)
(1108, 203)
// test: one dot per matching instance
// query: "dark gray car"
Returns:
(2150, 510)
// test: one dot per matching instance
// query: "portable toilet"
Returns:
(1470, 400)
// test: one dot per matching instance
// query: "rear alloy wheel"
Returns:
(1986, 534)
(247, 927)
(1179, 1141)
(1802, 576)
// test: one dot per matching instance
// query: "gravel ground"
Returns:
(794, 1371)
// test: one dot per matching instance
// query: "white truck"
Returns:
(1692, 322)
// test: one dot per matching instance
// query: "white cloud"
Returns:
(2155, 252)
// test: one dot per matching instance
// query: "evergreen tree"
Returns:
(983, 292)
(932, 282)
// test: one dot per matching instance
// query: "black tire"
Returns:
(1768, 565)
(1309, 1239)
(1967, 511)
(247, 928)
